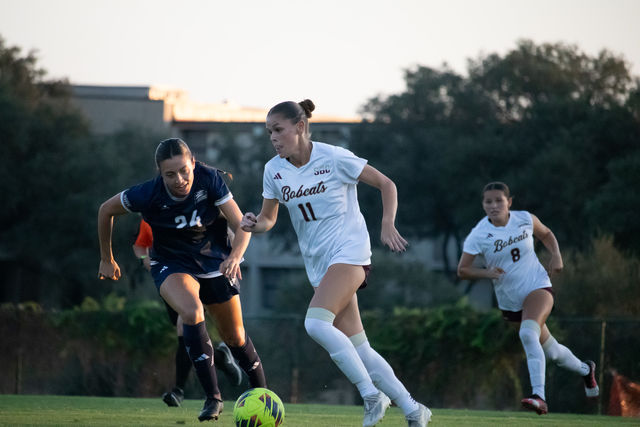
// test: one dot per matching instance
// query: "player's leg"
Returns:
(223, 359)
(222, 298)
(349, 322)
(332, 295)
(228, 317)
(181, 291)
(226, 362)
(535, 310)
(183, 363)
(564, 358)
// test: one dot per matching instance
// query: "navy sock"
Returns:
(183, 364)
(198, 345)
(249, 361)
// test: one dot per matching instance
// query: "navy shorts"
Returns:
(516, 316)
(213, 290)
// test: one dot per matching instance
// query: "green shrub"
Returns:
(434, 349)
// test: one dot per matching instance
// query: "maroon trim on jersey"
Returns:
(516, 316)
(367, 270)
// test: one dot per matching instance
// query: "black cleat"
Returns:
(173, 397)
(211, 409)
(225, 361)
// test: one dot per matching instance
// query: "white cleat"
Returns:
(375, 406)
(420, 417)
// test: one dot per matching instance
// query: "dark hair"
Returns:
(497, 185)
(171, 147)
(294, 111)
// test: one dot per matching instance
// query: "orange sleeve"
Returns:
(145, 236)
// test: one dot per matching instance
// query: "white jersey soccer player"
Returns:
(504, 238)
(510, 248)
(317, 183)
(322, 200)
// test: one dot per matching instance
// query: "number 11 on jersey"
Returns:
(304, 212)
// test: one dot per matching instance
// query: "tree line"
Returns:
(560, 127)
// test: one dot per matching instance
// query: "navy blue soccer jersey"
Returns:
(183, 229)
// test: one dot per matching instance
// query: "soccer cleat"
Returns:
(590, 385)
(375, 406)
(535, 403)
(173, 397)
(420, 417)
(225, 361)
(211, 409)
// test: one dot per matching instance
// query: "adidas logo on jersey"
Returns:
(489, 236)
(277, 176)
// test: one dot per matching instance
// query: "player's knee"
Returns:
(317, 319)
(529, 332)
(192, 316)
(236, 337)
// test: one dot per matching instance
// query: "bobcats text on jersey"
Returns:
(288, 193)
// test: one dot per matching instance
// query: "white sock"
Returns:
(382, 374)
(530, 338)
(563, 357)
(319, 326)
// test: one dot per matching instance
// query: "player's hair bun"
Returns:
(308, 106)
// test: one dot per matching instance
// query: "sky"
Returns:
(338, 53)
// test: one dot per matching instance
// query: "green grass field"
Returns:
(104, 411)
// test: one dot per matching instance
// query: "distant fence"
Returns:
(41, 356)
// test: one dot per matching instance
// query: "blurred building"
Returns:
(169, 111)
(109, 108)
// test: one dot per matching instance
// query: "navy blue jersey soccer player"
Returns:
(223, 359)
(184, 239)
(191, 264)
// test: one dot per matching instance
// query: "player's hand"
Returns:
(248, 222)
(109, 270)
(555, 265)
(495, 273)
(230, 268)
(391, 237)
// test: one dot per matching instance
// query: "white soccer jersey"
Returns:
(322, 200)
(512, 249)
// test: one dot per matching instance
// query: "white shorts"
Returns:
(317, 267)
(511, 298)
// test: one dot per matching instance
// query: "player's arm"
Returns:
(389, 193)
(109, 209)
(230, 267)
(264, 221)
(143, 242)
(548, 239)
(142, 253)
(467, 271)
